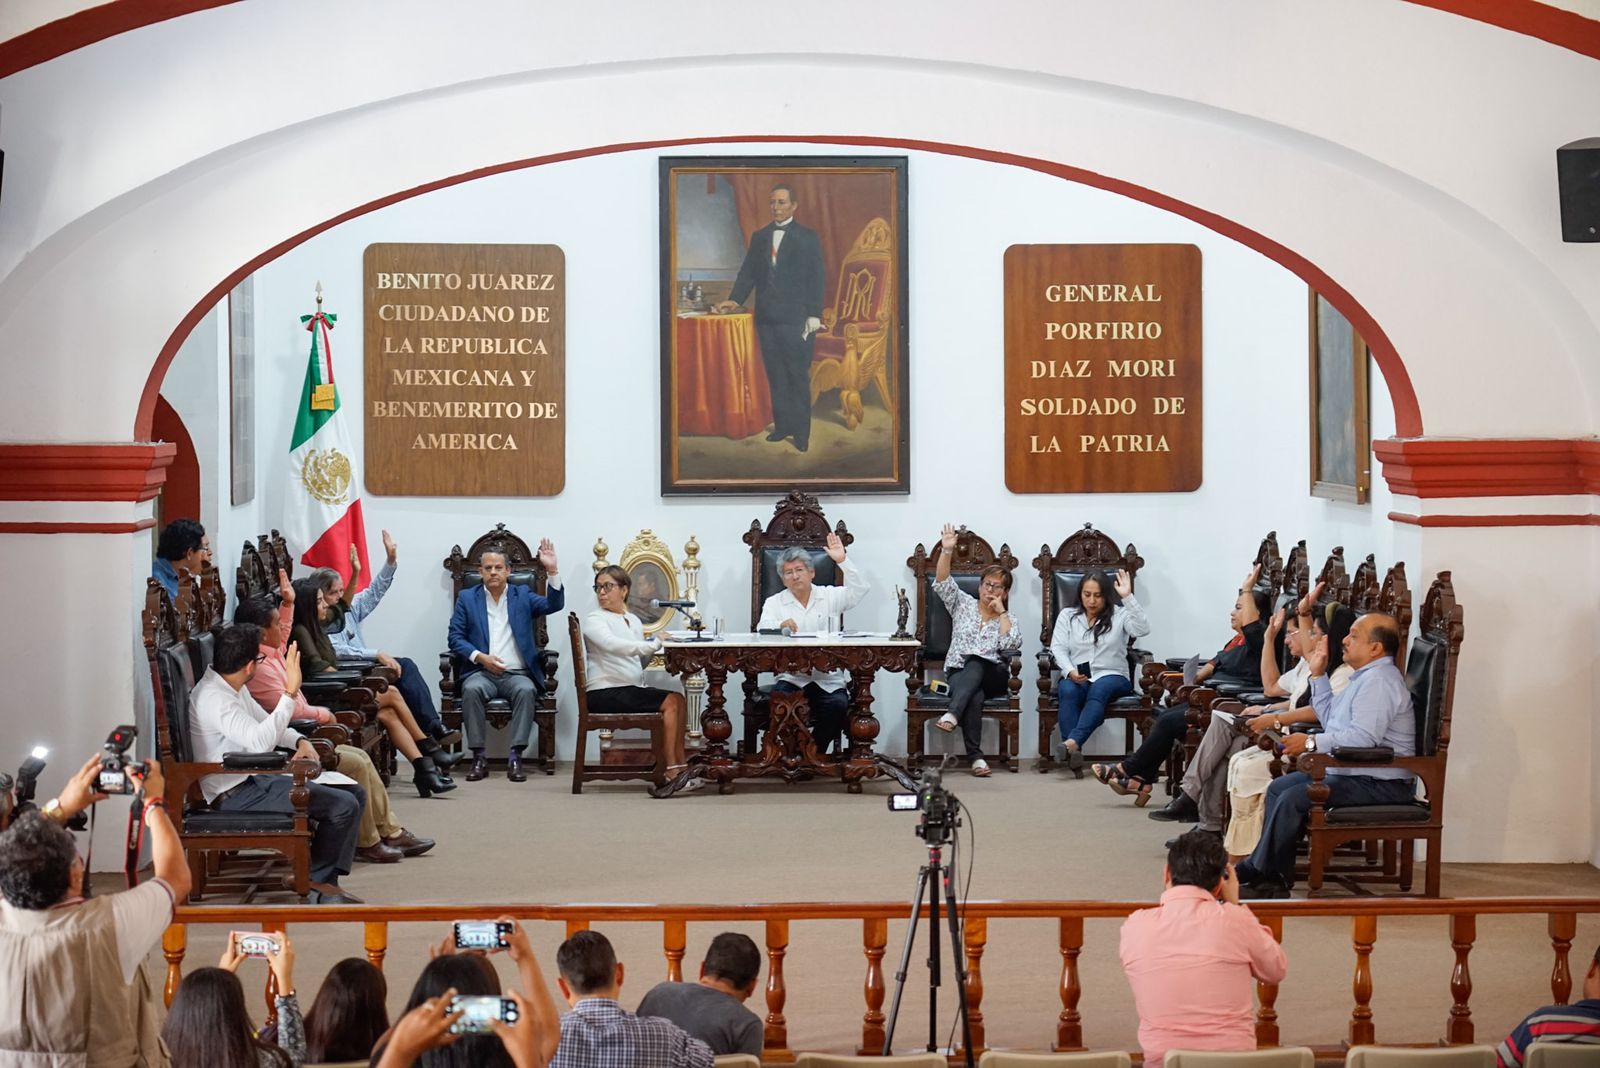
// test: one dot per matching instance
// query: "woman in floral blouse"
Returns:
(982, 632)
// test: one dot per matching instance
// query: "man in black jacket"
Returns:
(784, 268)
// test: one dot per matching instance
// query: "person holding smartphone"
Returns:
(1090, 646)
(72, 968)
(1193, 961)
(208, 1025)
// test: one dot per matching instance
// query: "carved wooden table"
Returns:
(787, 748)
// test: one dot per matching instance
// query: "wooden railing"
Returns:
(1561, 916)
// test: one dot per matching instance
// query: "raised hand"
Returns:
(522, 1040)
(1250, 579)
(231, 957)
(1124, 583)
(355, 561)
(285, 588)
(547, 556)
(1317, 657)
(282, 963)
(947, 538)
(835, 549)
(291, 669)
(1277, 622)
(1308, 603)
(389, 547)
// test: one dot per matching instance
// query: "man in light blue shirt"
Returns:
(183, 544)
(1375, 709)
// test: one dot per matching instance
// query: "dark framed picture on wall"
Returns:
(784, 355)
(1341, 432)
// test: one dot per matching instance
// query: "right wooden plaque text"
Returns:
(1103, 368)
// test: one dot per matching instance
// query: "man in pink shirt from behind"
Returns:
(1192, 961)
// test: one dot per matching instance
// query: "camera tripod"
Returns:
(932, 876)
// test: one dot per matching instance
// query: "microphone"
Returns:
(656, 602)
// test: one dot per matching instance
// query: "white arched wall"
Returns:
(144, 170)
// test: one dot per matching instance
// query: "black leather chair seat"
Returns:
(930, 699)
(1413, 812)
(235, 822)
(1129, 703)
(1256, 698)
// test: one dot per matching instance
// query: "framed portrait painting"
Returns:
(784, 357)
(1341, 430)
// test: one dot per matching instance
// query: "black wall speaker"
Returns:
(1578, 170)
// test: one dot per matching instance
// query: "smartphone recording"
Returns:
(483, 934)
(478, 1011)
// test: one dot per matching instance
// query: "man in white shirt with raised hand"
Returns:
(225, 718)
(802, 607)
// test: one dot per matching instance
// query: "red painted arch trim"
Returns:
(1408, 416)
(77, 528)
(44, 43)
(94, 471)
(1490, 467)
(1553, 25)
(1495, 520)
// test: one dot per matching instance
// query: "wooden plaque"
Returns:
(465, 370)
(1103, 368)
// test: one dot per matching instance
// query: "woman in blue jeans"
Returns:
(1090, 645)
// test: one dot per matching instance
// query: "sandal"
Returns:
(1142, 793)
(1111, 775)
(946, 723)
(980, 768)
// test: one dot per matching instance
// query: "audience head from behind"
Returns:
(1197, 858)
(208, 1025)
(183, 543)
(1372, 637)
(469, 975)
(349, 1015)
(732, 965)
(39, 865)
(589, 968)
(1577, 1023)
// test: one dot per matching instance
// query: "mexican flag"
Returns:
(323, 508)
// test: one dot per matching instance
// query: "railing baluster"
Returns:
(1364, 933)
(976, 937)
(1267, 995)
(174, 943)
(1563, 928)
(874, 938)
(574, 926)
(674, 937)
(1463, 933)
(775, 1037)
(375, 940)
(1069, 1025)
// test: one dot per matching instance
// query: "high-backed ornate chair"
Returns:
(1060, 573)
(462, 567)
(797, 520)
(1335, 578)
(201, 831)
(972, 555)
(857, 339)
(655, 769)
(1431, 677)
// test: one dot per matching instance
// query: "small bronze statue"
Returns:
(901, 634)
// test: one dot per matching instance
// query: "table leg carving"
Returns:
(863, 729)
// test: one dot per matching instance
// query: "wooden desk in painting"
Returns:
(721, 387)
(787, 749)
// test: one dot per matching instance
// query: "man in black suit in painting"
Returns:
(784, 267)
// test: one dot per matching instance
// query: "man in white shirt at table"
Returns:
(803, 608)
(617, 651)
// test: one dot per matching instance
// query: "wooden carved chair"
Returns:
(797, 520)
(462, 567)
(972, 555)
(655, 770)
(1431, 677)
(204, 834)
(1060, 573)
(857, 339)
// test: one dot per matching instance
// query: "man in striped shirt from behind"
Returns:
(1578, 1022)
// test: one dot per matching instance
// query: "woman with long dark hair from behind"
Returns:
(463, 975)
(349, 1014)
(1090, 645)
(209, 1027)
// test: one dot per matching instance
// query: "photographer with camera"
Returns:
(72, 970)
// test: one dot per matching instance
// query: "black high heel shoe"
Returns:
(442, 760)
(428, 781)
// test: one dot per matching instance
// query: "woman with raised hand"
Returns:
(209, 1027)
(1090, 646)
(982, 632)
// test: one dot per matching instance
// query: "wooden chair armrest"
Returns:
(179, 777)
(1429, 769)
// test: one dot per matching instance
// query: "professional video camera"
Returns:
(114, 763)
(941, 812)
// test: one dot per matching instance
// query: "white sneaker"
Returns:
(980, 768)
(947, 723)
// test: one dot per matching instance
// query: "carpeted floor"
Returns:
(1035, 837)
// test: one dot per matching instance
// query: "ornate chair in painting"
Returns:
(1060, 573)
(462, 567)
(857, 340)
(797, 520)
(972, 555)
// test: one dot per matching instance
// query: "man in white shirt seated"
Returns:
(72, 978)
(225, 718)
(617, 650)
(804, 608)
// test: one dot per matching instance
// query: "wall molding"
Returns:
(1489, 467)
(83, 471)
(1557, 520)
(77, 528)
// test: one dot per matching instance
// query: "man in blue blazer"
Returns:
(497, 654)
